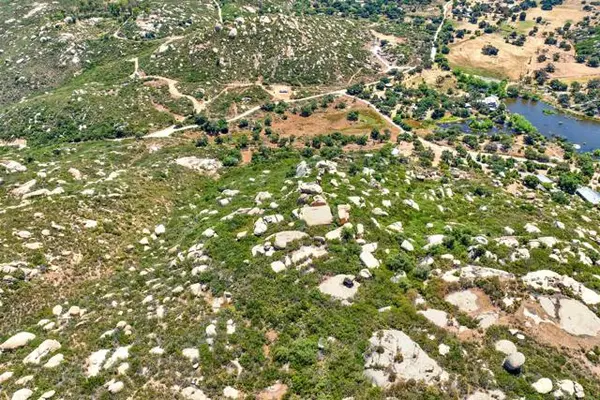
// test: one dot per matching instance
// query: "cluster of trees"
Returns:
(489, 50)
(515, 39)
(278, 108)
(211, 127)
(121, 9)
(369, 9)
(521, 125)
(587, 41)
(547, 5)
(580, 97)
(307, 109)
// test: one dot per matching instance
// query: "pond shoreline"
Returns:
(552, 121)
(549, 101)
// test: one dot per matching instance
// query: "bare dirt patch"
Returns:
(161, 108)
(279, 92)
(155, 83)
(389, 38)
(441, 80)
(275, 392)
(570, 11)
(330, 120)
(246, 156)
(549, 331)
(553, 150)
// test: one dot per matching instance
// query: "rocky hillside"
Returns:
(68, 67)
(150, 270)
(281, 201)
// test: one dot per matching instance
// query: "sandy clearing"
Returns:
(570, 11)
(511, 62)
(333, 120)
(279, 92)
(389, 38)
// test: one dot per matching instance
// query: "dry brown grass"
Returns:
(332, 120)
(515, 62)
(512, 62)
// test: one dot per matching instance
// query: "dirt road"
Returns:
(445, 11)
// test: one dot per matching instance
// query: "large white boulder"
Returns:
(13, 166)
(24, 188)
(568, 387)
(531, 228)
(465, 300)
(434, 240)
(437, 317)
(46, 347)
(115, 386)
(411, 203)
(54, 361)
(542, 385)
(94, 362)
(313, 216)
(19, 340)
(369, 260)
(310, 188)
(260, 227)
(191, 354)
(207, 166)
(513, 362)
(160, 229)
(394, 352)
(231, 393)
(471, 272)
(192, 393)
(406, 245)
(505, 346)
(307, 252)
(281, 239)
(551, 281)
(22, 394)
(302, 170)
(492, 395)
(574, 317)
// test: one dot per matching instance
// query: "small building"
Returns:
(589, 195)
(493, 102)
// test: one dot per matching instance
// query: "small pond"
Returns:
(553, 122)
(582, 132)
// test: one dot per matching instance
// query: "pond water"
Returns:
(585, 133)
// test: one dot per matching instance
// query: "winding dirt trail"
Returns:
(116, 34)
(176, 94)
(445, 11)
(201, 106)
